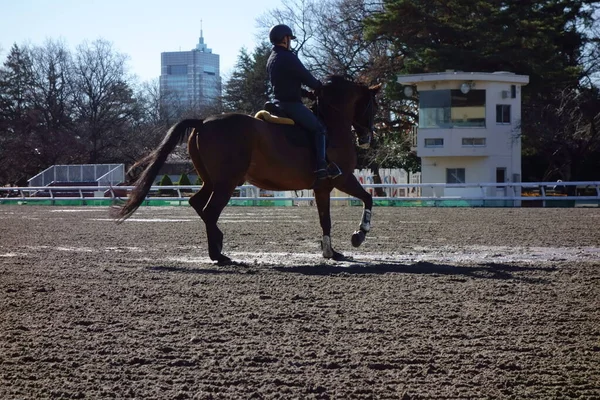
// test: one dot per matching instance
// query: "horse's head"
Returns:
(363, 121)
(352, 103)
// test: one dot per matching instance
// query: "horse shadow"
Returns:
(212, 270)
(459, 272)
(498, 271)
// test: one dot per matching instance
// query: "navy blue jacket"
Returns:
(287, 75)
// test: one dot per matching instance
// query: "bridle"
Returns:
(364, 138)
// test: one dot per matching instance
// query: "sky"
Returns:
(141, 29)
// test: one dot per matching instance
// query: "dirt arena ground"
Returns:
(439, 303)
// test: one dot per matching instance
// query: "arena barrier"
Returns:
(100, 174)
(522, 194)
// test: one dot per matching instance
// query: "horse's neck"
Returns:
(339, 123)
(340, 133)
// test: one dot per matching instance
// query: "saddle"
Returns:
(273, 114)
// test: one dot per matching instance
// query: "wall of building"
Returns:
(502, 148)
(433, 170)
(190, 78)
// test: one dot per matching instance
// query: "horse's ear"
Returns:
(375, 88)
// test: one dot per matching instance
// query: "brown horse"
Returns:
(230, 149)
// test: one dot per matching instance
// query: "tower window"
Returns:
(455, 175)
(177, 70)
(473, 142)
(451, 108)
(503, 113)
(434, 142)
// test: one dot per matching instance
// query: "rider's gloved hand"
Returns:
(309, 94)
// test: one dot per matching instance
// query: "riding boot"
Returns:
(320, 152)
(323, 169)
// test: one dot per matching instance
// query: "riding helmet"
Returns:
(278, 32)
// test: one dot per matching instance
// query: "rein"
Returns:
(364, 139)
(368, 109)
(371, 116)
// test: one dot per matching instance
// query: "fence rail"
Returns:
(516, 194)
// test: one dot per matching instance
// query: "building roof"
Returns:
(450, 75)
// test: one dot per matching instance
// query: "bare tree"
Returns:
(104, 101)
(52, 101)
(571, 134)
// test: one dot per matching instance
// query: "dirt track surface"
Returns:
(437, 304)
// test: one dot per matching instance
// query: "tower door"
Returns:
(501, 178)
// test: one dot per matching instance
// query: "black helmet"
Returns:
(278, 32)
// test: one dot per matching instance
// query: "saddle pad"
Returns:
(268, 117)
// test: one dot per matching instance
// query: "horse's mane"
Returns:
(339, 81)
(340, 86)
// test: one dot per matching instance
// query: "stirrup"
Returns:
(333, 171)
(322, 174)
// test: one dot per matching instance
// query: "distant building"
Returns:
(468, 129)
(190, 79)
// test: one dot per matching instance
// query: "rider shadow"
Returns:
(380, 267)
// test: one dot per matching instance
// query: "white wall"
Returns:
(433, 170)
(503, 144)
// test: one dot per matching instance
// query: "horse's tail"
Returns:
(154, 162)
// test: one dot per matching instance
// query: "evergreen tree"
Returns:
(539, 38)
(17, 147)
(248, 88)
(552, 41)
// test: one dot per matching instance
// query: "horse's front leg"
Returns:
(352, 187)
(323, 207)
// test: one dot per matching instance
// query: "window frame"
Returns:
(457, 175)
(437, 108)
(177, 69)
(434, 145)
(501, 113)
(473, 139)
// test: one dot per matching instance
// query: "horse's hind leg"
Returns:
(352, 187)
(199, 200)
(210, 214)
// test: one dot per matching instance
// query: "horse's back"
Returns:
(268, 155)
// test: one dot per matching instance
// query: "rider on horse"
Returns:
(287, 74)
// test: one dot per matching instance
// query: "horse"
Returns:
(230, 149)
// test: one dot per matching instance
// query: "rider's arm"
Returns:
(305, 76)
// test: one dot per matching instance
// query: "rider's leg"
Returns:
(321, 150)
(324, 169)
(309, 121)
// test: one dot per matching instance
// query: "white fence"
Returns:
(514, 195)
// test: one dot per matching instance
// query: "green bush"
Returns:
(198, 181)
(166, 181)
(184, 181)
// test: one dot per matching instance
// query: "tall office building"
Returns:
(190, 79)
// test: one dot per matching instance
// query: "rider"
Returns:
(287, 74)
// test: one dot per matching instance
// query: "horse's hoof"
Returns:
(358, 238)
(223, 260)
(328, 251)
